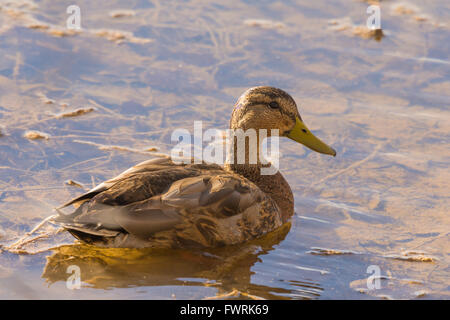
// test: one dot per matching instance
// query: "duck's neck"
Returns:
(272, 184)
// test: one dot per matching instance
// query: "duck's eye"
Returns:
(274, 105)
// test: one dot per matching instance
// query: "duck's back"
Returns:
(158, 203)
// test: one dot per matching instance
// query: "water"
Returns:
(382, 104)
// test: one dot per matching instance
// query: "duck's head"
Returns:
(271, 108)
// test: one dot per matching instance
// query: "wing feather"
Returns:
(191, 203)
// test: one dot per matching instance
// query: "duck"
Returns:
(162, 203)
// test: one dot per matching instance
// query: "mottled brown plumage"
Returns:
(158, 203)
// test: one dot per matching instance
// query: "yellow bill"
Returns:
(302, 134)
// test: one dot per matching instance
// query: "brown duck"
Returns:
(161, 204)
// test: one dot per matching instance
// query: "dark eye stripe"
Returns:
(274, 105)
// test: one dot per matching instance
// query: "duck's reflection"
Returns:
(228, 268)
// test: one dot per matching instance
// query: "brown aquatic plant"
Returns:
(35, 135)
(75, 113)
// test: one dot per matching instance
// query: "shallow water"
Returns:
(383, 104)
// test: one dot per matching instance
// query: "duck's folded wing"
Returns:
(145, 166)
(141, 220)
(187, 204)
(194, 205)
(220, 195)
